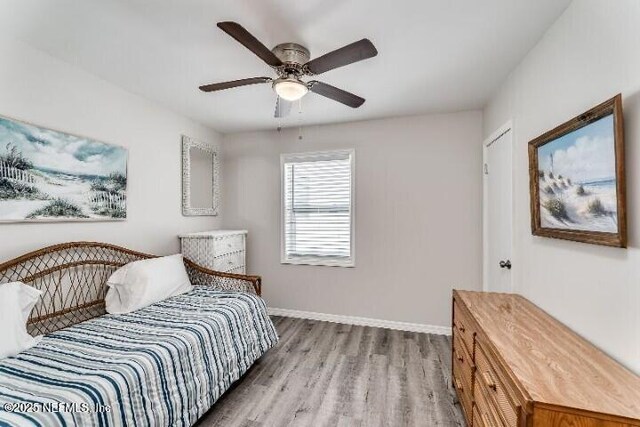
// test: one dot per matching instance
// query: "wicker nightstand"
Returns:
(219, 250)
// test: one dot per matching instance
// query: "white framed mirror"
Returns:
(199, 178)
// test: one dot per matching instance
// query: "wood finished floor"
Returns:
(329, 374)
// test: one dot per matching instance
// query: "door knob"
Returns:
(505, 264)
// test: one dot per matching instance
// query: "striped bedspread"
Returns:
(164, 365)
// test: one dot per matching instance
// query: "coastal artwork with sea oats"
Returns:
(577, 179)
(46, 175)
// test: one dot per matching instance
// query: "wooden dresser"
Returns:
(219, 250)
(515, 365)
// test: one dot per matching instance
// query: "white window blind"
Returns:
(318, 208)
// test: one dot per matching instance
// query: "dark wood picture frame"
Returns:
(611, 107)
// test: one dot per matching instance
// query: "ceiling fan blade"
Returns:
(283, 108)
(332, 92)
(346, 55)
(245, 38)
(234, 83)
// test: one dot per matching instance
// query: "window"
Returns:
(317, 208)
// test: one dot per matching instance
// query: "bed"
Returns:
(163, 365)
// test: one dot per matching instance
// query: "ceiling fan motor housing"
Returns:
(292, 55)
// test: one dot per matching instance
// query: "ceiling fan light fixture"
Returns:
(290, 89)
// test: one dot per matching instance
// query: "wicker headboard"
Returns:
(73, 276)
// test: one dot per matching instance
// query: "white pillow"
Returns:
(142, 283)
(16, 302)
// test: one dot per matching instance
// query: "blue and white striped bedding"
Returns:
(164, 365)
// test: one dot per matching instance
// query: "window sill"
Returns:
(349, 263)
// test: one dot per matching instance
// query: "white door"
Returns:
(498, 212)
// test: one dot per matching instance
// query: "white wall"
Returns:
(418, 216)
(42, 90)
(590, 54)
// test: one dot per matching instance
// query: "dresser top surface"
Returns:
(213, 233)
(553, 364)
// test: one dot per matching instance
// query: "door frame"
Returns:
(507, 127)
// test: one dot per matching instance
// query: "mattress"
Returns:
(163, 365)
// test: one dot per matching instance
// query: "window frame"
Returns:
(318, 260)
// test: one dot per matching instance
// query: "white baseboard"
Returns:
(361, 321)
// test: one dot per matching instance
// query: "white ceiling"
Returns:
(434, 55)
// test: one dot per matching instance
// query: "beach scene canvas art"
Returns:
(46, 175)
(577, 179)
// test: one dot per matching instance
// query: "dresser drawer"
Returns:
(229, 244)
(463, 362)
(485, 414)
(491, 382)
(463, 326)
(229, 263)
(464, 392)
(477, 418)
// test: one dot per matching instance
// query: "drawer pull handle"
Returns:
(489, 380)
(458, 384)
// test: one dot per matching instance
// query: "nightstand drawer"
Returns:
(229, 244)
(229, 263)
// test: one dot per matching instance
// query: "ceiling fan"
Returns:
(291, 62)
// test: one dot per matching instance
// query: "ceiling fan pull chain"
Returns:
(300, 136)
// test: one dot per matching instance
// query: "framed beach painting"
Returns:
(577, 178)
(46, 175)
